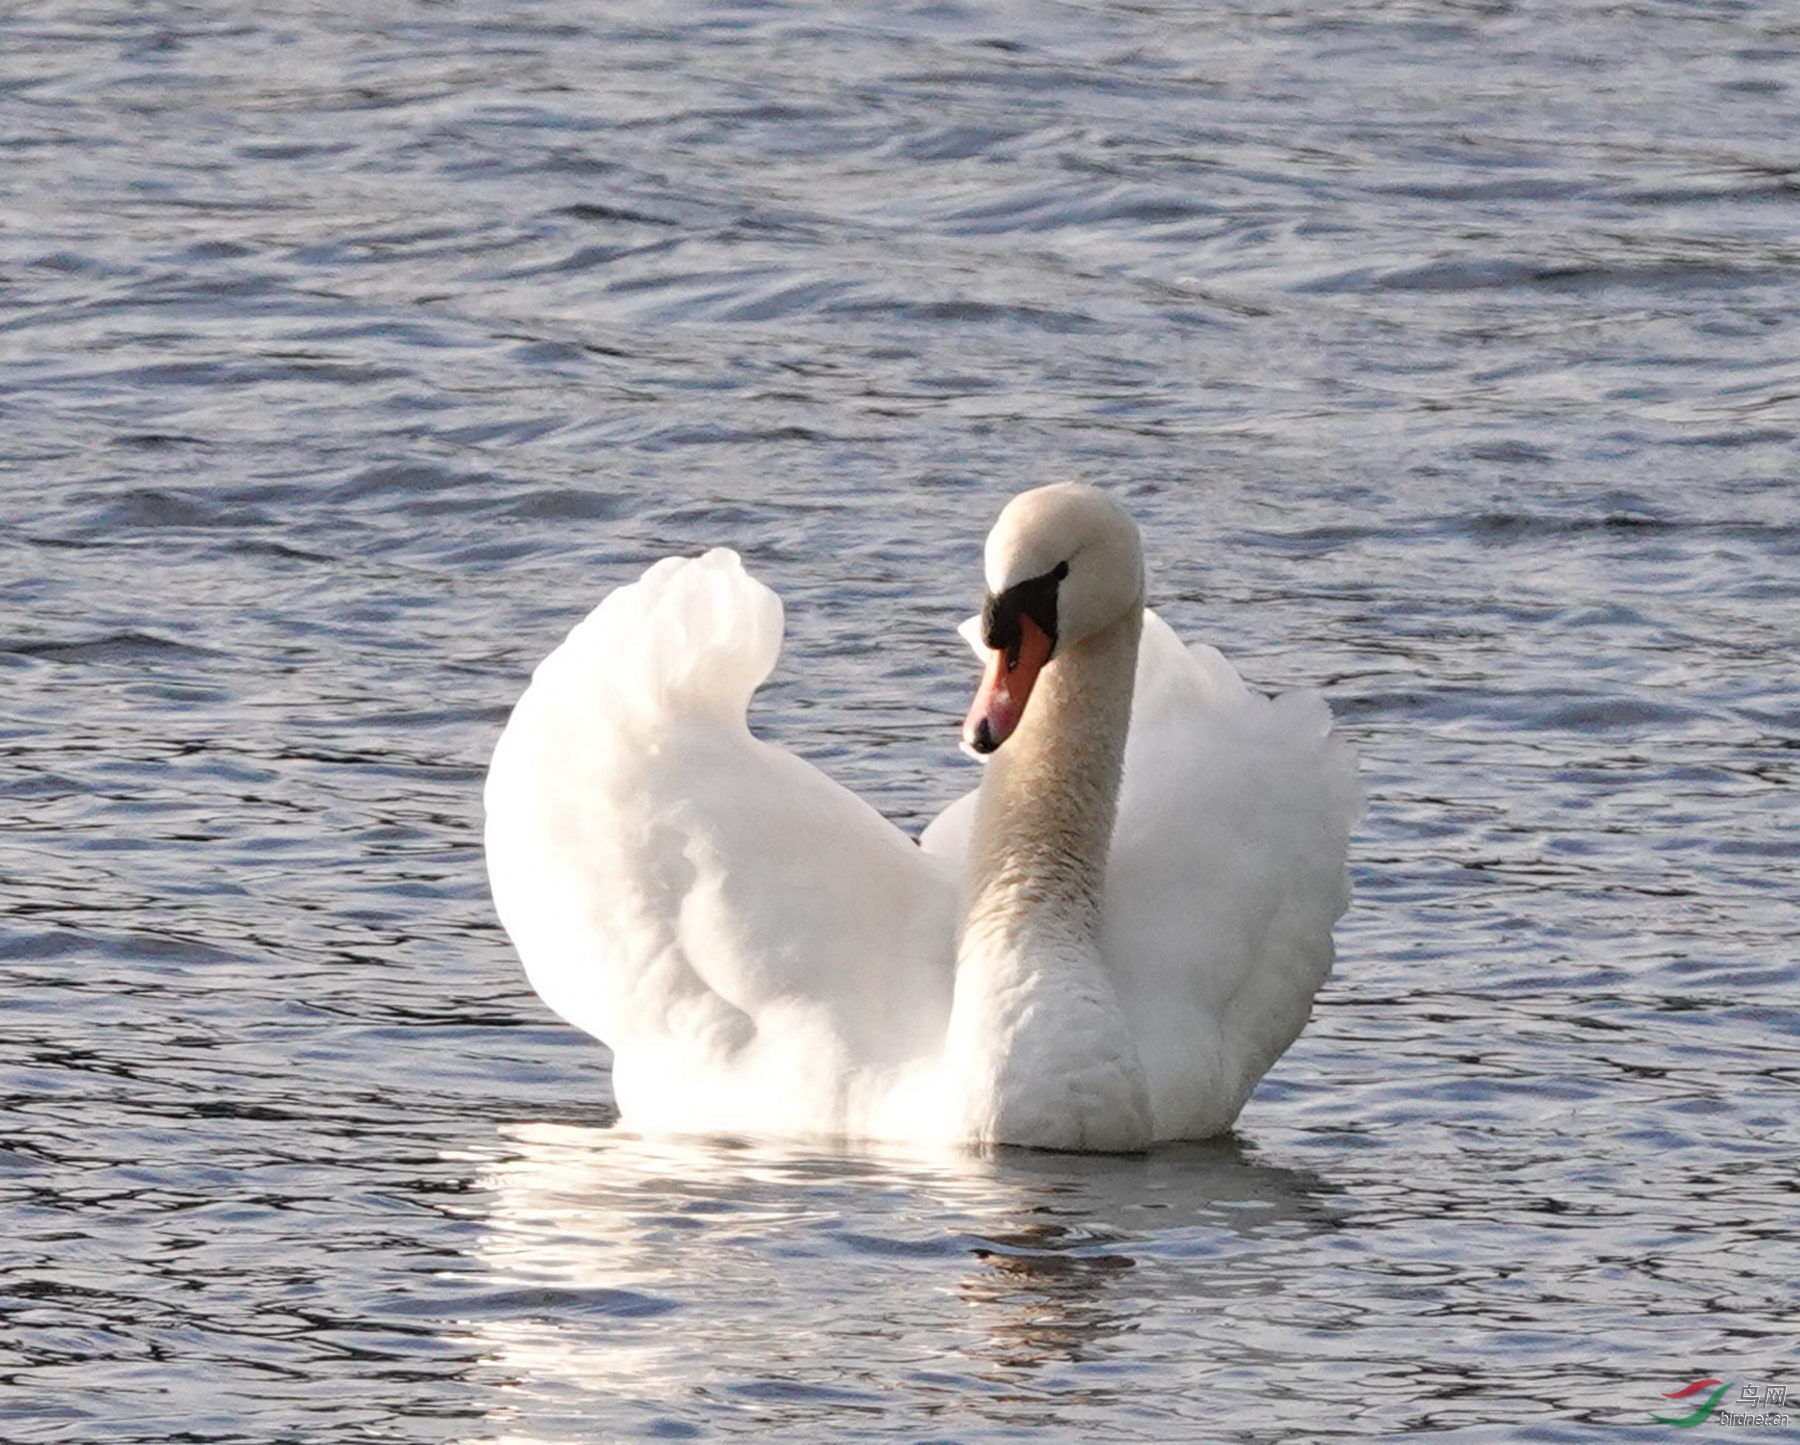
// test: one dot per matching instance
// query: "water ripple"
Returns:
(348, 360)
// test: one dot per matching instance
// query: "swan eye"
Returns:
(1035, 598)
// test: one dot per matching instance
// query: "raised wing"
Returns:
(1226, 874)
(714, 908)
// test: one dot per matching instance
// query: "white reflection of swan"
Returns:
(650, 1285)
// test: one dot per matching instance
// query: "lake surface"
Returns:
(1449, 354)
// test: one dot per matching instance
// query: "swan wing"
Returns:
(758, 946)
(1226, 875)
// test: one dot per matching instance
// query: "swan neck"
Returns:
(1050, 796)
(1038, 1050)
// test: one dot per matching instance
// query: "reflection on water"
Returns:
(1057, 1252)
(674, 1276)
(671, 1287)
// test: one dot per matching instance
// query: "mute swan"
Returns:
(1106, 945)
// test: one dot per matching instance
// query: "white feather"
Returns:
(764, 952)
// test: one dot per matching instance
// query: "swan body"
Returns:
(1107, 944)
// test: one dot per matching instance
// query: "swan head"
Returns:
(1062, 562)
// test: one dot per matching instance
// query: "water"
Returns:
(1448, 353)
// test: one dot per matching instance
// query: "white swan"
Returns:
(1104, 946)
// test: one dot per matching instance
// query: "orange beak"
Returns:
(1005, 686)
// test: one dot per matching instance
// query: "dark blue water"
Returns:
(1448, 353)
